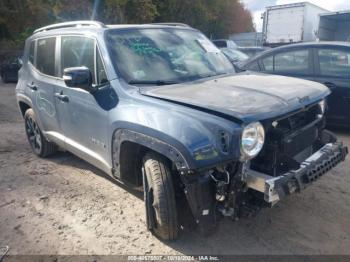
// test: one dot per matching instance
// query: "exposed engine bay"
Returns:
(297, 151)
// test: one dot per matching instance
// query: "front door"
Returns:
(333, 70)
(83, 118)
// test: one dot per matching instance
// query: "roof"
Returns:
(294, 5)
(253, 48)
(98, 25)
(320, 43)
(95, 26)
(157, 25)
(221, 39)
(305, 44)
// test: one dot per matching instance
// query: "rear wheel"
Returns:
(159, 196)
(4, 78)
(40, 146)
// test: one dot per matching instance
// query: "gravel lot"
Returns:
(63, 205)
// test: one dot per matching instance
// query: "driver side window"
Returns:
(77, 51)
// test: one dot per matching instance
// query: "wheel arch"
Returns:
(129, 148)
(24, 103)
(23, 106)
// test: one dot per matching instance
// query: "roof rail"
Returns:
(70, 24)
(172, 24)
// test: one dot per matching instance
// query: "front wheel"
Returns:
(40, 146)
(159, 196)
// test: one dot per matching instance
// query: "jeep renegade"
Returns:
(160, 106)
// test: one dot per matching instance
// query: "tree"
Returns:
(216, 18)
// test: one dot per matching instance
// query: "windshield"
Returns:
(235, 55)
(164, 56)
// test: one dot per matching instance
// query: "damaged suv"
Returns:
(160, 106)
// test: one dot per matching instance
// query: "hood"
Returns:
(247, 97)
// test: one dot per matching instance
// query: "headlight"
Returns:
(252, 141)
(322, 105)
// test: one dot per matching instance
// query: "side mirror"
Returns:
(78, 77)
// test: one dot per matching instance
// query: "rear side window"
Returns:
(45, 60)
(334, 62)
(292, 62)
(267, 63)
(78, 51)
(254, 66)
(220, 43)
(31, 52)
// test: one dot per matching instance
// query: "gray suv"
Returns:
(160, 106)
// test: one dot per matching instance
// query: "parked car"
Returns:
(324, 62)
(234, 55)
(224, 43)
(252, 51)
(9, 69)
(157, 106)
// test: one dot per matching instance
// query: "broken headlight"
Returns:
(252, 141)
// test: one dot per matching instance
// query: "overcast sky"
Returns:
(258, 6)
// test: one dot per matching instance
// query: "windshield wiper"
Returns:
(152, 82)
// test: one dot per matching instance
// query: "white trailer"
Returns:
(334, 26)
(291, 23)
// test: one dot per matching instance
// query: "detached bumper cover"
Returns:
(275, 188)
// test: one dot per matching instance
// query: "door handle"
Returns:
(62, 97)
(32, 86)
(330, 85)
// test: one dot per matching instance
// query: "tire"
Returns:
(4, 78)
(39, 144)
(159, 196)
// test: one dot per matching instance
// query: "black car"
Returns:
(252, 51)
(9, 69)
(324, 62)
(235, 56)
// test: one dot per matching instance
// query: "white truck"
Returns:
(334, 26)
(291, 23)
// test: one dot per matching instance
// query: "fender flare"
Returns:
(24, 99)
(181, 159)
(198, 193)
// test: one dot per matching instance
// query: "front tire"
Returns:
(159, 196)
(39, 144)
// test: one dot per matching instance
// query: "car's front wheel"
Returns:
(39, 144)
(159, 196)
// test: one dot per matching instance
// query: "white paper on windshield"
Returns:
(208, 46)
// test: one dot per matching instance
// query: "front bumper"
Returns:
(275, 188)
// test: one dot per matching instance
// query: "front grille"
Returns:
(286, 138)
(293, 122)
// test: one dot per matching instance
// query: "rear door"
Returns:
(333, 70)
(42, 79)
